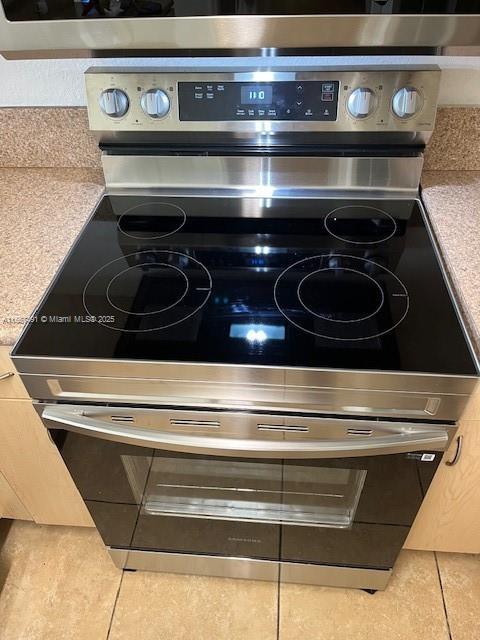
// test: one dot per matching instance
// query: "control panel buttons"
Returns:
(155, 103)
(361, 102)
(407, 102)
(114, 103)
(206, 101)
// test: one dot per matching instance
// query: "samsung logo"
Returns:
(256, 540)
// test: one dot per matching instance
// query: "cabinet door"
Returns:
(10, 384)
(449, 519)
(10, 505)
(35, 470)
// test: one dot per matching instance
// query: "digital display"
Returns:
(257, 94)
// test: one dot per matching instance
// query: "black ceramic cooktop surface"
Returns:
(288, 282)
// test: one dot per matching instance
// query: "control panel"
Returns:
(261, 102)
(300, 101)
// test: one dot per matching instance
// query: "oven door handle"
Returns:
(405, 440)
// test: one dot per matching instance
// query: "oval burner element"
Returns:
(357, 224)
(152, 220)
(343, 295)
(334, 296)
(173, 281)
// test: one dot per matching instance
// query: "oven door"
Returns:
(301, 491)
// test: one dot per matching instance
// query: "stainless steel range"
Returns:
(251, 360)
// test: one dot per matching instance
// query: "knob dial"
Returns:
(361, 102)
(407, 102)
(155, 103)
(114, 103)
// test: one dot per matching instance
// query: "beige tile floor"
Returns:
(58, 583)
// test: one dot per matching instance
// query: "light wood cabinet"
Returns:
(10, 505)
(10, 384)
(449, 519)
(29, 462)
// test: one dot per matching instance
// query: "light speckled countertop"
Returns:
(41, 213)
(452, 199)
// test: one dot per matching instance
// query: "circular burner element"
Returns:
(358, 224)
(147, 291)
(152, 220)
(337, 284)
(341, 297)
(174, 281)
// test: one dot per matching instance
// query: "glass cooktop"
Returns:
(351, 284)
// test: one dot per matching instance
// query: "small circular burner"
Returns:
(341, 297)
(336, 285)
(152, 220)
(147, 291)
(173, 281)
(358, 224)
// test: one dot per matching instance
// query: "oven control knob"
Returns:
(406, 102)
(155, 103)
(361, 102)
(114, 103)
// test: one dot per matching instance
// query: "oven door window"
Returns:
(223, 489)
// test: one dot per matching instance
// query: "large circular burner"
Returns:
(358, 224)
(173, 280)
(337, 286)
(152, 220)
(341, 297)
(147, 291)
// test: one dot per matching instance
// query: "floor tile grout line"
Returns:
(443, 595)
(114, 606)
(280, 545)
(278, 605)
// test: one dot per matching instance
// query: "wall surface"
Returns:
(60, 82)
